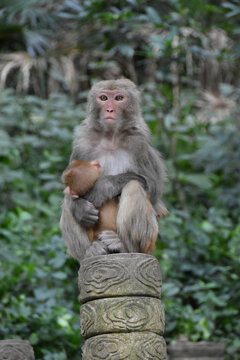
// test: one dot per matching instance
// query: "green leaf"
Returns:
(200, 180)
(59, 275)
(153, 15)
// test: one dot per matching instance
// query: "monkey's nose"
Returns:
(110, 110)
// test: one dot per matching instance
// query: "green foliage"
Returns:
(38, 283)
(59, 42)
(185, 57)
(199, 247)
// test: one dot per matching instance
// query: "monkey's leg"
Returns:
(75, 236)
(137, 225)
(111, 242)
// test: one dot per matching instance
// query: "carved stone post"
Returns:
(122, 316)
(16, 349)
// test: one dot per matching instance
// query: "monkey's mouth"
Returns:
(110, 120)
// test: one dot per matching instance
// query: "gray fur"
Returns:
(140, 222)
(111, 241)
(109, 186)
(129, 144)
(74, 234)
(89, 214)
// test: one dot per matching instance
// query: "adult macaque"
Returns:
(115, 134)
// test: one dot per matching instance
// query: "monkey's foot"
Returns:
(111, 242)
(97, 248)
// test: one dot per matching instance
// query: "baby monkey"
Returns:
(80, 177)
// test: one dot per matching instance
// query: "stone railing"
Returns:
(184, 349)
(16, 349)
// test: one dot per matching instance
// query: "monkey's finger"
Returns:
(91, 215)
(116, 247)
(90, 209)
(93, 212)
(108, 235)
(111, 241)
(91, 219)
(90, 205)
(89, 222)
(97, 248)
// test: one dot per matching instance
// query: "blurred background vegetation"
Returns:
(184, 55)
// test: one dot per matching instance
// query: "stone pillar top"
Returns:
(124, 274)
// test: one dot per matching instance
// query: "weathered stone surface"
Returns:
(16, 349)
(122, 314)
(119, 275)
(202, 350)
(132, 346)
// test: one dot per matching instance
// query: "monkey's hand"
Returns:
(84, 212)
(109, 186)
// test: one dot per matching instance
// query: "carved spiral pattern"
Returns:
(153, 348)
(105, 347)
(125, 315)
(99, 276)
(16, 350)
(148, 272)
(87, 318)
(122, 314)
(119, 275)
(133, 346)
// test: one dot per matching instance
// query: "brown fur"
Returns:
(107, 219)
(141, 226)
(81, 176)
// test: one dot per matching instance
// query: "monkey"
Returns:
(115, 133)
(79, 177)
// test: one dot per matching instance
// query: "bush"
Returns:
(199, 243)
(38, 283)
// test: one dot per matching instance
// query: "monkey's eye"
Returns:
(103, 97)
(119, 97)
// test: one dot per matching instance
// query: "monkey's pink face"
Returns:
(111, 102)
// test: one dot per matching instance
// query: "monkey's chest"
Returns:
(115, 162)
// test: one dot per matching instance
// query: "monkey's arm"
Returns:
(110, 186)
(151, 165)
(106, 187)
